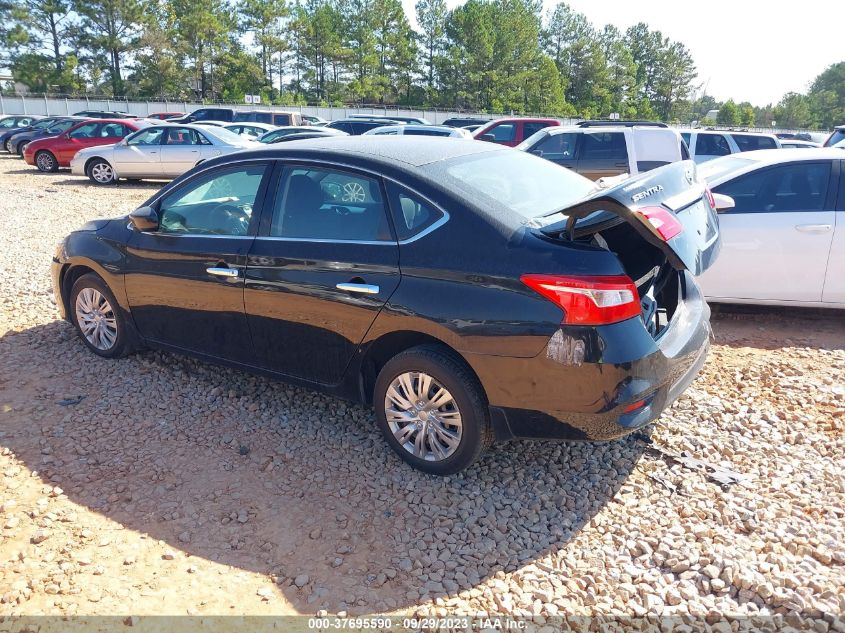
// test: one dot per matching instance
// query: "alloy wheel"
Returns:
(8, 145)
(45, 162)
(102, 173)
(423, 416)
(96, 319)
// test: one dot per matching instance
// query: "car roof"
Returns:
(413, 151)
(760, 158)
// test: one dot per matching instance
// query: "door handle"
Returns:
(222, 272)
(813, 228)
(366, 289)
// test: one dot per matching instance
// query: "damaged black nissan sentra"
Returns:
(468, 292)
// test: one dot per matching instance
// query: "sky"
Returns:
(745, 50)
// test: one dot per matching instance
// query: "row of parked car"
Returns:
(596, 149)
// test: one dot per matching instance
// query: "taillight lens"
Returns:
(597, 300)
(664, 222)
(710, 198)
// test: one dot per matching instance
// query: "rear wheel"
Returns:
(432, 410)
(101, 172)
(46, 162)
(98, 317)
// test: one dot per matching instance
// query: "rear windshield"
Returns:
(713, 169)
(526, 184)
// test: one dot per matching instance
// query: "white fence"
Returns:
(20, 104)
(54, 106)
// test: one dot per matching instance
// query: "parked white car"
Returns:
(413, 129)
(783, 239)
(163, 151)
(706, 145)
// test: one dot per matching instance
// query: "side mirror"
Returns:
(487, 137)
(723, 202)
(144, 219)
(537, 152)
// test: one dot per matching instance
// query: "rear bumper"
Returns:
(597, 383)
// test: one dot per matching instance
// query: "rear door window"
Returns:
(532, 128)
(751, 142)
(182, 136)
(786, 188)
(328, 204)
(281, 119)
(603, 146)
(114, 130)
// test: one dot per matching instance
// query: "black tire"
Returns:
(100, 172)
(468, 395)
(122, 344)
(7, 145)
(46, 162)
(21, 147)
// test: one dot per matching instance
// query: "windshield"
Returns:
(526, 184)
(718, 167)
(38, 125)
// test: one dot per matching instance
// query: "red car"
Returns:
(164, 115)
(52, 152)
(512, 132)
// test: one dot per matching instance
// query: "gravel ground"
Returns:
(180, 487)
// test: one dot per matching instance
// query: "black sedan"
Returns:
(468, 292)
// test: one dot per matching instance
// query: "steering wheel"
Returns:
(229, 219)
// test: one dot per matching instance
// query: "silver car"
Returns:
(159, 152)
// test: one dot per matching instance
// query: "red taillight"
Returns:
(710, 198)
(589, 300)
(664, 222)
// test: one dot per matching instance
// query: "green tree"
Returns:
(158, 70)
(795, 111)
(37, 36)
(113, 28)
(827, 96)
(261, 18)
(747, 115)
(431, 16)
(673, 79)
(205, 29)
(729, 114)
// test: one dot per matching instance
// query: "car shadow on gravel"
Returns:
(777, 327)
(281, 481)
(82, 181)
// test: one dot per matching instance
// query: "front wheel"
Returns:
(46, 162)
(101, 172)
(432, 410)
(8, 145)
(22, 148)
(98, 317)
